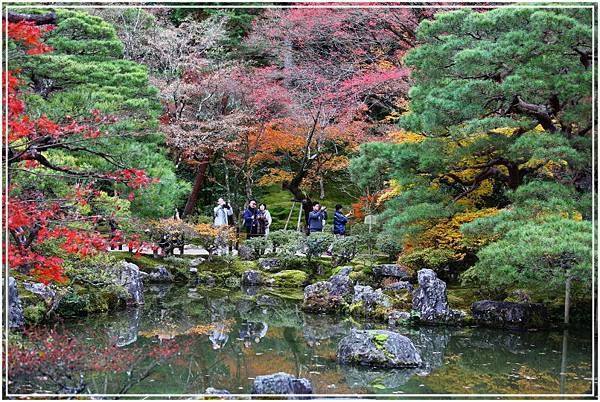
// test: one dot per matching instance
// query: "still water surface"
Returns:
(231, 337)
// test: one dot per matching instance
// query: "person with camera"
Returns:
(222, 212)
(316, 218)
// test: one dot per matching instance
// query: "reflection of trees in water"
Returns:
(305, 345)
(317, 328)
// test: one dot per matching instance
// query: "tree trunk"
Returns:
(567, 298)
(515, 178)
(299, 196)
(322, 187)
(192, 200)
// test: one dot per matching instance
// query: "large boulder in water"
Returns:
(15, 310)
(320, 298)
(509, 315)
(430, 300)
(341, 285)
(128, 276)
(281, 384)
(378, 348)
(44, 292)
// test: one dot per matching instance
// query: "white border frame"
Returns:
(66, 4)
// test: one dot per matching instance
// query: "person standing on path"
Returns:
(221, 213)
(267, 218)
(316, 218)
(340, 220)
(250, 222)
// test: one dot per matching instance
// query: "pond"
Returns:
(224, 339)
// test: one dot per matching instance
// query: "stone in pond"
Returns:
(382, 378)
(129, 277)
(195, 263)
(246, 253)
(341, 285)
(397, 317)
(44, 292)
(509, 315)
(370, 299)
(399, 286)
(281, 384)
(345, 271)
(430, 300)
(377, 348)
(252, 278)
(15, 310)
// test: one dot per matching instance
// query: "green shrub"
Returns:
(286, 239)
(316, 244)
(259, 245)
(389, 245)
(431, 258)
(344, 249)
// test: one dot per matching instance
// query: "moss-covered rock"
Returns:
(290, 278)
(79, 300)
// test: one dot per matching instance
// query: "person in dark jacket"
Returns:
(340, 220)
(250, 222)
(316, 218)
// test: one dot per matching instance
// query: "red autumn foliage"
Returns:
(33, 218)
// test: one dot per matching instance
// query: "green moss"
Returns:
(401, 299)
(288, 294)
(240, 266)
(461, 298)
(82, 300)
(34, 313)
(379, 341)
(356, 309)
(290, 278)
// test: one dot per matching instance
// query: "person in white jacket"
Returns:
(263, 209)
(222, 212)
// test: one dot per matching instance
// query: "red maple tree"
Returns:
(34, 217)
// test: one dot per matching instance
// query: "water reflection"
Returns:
(225, 339)
(124, 329)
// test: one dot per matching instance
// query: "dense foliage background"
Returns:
(468, 133)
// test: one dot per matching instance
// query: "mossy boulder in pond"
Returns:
(290, 278)
(253, 278)
(79, 300)
(270, 264)
(378, 348)
(510, 315)
(281, 384)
